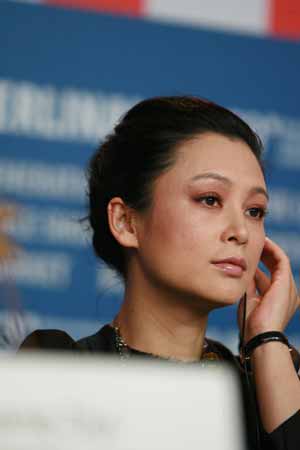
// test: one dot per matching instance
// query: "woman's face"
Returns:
(203, 235)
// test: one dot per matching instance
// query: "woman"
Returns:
(177, 203)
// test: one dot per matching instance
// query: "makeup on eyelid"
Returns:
(222, 192)
(222, 196)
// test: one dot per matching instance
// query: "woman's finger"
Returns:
(251, 290)
(274, 258)
(262, 280)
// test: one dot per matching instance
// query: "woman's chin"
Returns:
(224, 296)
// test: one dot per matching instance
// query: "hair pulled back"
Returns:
(140, 148)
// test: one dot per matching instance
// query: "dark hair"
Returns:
(140, 148)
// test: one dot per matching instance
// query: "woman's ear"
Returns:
(122, 223)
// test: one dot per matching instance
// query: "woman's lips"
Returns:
(233, 267)
(230, 269)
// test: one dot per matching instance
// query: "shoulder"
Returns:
(101, 341)
(48, 339)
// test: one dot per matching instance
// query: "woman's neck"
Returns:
(151, 323)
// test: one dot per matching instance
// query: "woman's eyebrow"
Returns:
(260, 190)
(214, 176)
(225, 180)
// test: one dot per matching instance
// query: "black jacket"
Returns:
(285, 437)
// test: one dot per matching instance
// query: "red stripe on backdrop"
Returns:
(126, 7)
(285, 18)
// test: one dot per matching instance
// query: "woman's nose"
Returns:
(236, 229)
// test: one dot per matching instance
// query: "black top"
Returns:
(285, 437)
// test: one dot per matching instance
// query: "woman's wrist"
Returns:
(268, 349)
(261, 339)
(274, 350)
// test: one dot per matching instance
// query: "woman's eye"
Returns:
(209, 200)
(257, 213)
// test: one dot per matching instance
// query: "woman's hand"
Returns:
(271, 301)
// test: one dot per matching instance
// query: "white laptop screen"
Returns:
(55, 402)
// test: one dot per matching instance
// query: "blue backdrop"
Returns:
(65, 79)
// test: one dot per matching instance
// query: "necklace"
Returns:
(121, 346)
(125, 351)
